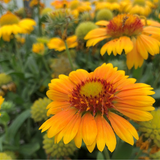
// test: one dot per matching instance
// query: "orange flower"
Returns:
(60, 4)
(59, 45)
(86, 107)
(127, 33)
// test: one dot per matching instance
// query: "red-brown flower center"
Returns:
(94, 95)
(124, 25)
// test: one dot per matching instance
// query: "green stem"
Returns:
(18, 55)
(138, 154)
(157, 80)
(69, 55)
(45, 64)
(106, 153)
(39, 21)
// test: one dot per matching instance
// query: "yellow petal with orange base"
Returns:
(78, 137)
(123, 128)
(147, 44)
(133, 57)
(72, 128)
(117, 46)
(95, 33)
(105, 134)
(89, 129)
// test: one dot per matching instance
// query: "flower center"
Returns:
(8, 19)
(94, 95)
(124, 25)
(139, 2)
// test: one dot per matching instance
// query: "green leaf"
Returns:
(100, 156)
(32, 65)
(29, 149)
(123, 151)
(13, 128)
(157, 93)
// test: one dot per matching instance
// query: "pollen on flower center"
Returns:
(8, 19)
(125, 25)
(94, 95)
(91, 89)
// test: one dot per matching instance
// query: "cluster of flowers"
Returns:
(91, 106)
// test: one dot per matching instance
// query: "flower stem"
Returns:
(138, 154)
(156, 80)
(39, 21)
(106, 153)
(69, 55)
(45, 64)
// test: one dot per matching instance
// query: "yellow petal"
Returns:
(95, 33)
(102, 23)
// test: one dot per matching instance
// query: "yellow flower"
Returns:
(86, 105)
(127, 33)
(59, 45)
(11, 24)
(140, 7)
(1, 101)
(38, 48)
(109, 5)
(5, 1)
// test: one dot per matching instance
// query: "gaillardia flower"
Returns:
(127, 33)
(89, 106)
(59, 45)
(140, 7)
(10, 25)
(38, 48)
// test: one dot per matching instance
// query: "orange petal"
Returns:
(122, 128)
(89, 129)
(56, 106)
(72, 128)
(59, 122)
(78, 76)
